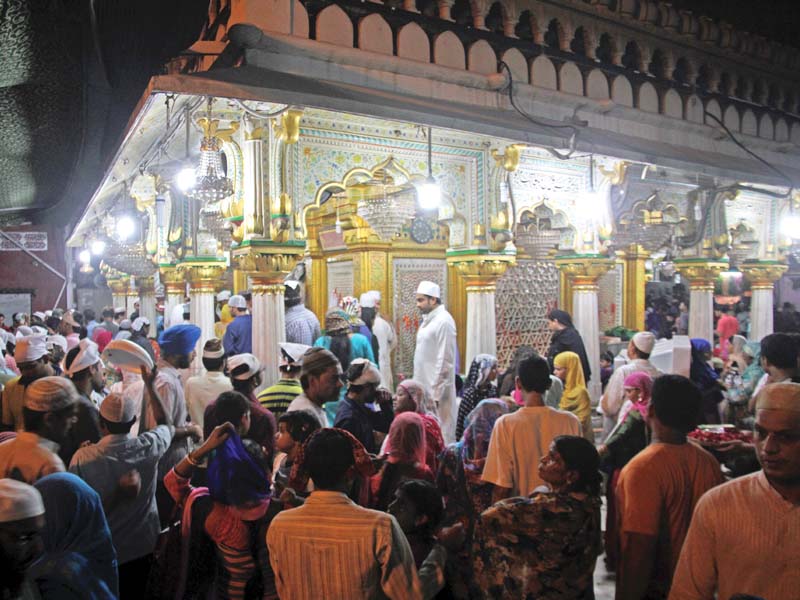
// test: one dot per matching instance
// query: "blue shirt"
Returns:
(239, 336)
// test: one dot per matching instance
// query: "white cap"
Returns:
(38, 330)
(30, 348)
(23, 330)
(40, 315)
(140, 322)
(644, 341)
(428, 288)
(365, 370)
(117, 408)
(56, 340)
(292, 353)
(19, 501)
(48, 313)
(119, 310)
(50, 393)
(367, 300)
(292, 283)
(88, 355)
(125, 324)
(223, 296)
(237, 301)
(253, 366)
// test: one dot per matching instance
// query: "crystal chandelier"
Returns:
(386, 201)
(210, 185)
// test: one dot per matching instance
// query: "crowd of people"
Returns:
(134, 482)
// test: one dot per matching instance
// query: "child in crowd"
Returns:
(418, 507)
(294, 428)
(606, 367)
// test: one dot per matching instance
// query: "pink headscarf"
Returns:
(644, 383)
(101, 337)
(407, 439)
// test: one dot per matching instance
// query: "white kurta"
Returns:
(387, 341)
(435, 366)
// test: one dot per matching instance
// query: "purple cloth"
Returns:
(234, 477)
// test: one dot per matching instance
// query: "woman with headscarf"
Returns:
(101, 337)
(479, 386)
(234, 511)
(575, 398)
(405, 460)
(706, 378)
(412, 397)
(79, 559)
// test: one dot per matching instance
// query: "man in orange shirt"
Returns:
(727, 326)
(658, 490)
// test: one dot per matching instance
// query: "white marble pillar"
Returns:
(585, 318)
(147, 308)
(269, 326)
(202, 314)
(174, 292)
(481, 323)
(701, 312)
(761, 312)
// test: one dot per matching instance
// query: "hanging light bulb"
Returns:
(125, 228)
(98, 247)
(186, 179)
(85, 257)
(429, 193)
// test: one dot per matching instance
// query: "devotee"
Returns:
(406, 460)
(108, 321)
(478, 386)
(658, 490)
(411, 396)
(606, 368)
(465, 494)
(222, 314)
(294, 428)
(367, 315)
(566, 338)
(21, 524)
(544, 545)
(368, 425)
(135, 314)
(102, 337)
(91, 321)
(779, 357)
(120, 314)
(745, 534)
(140, 328)
(279, 396)
(639, 348)
(87, 372)
(682, 322)
(57, 349)
(521, 438)
(239, 333)
(342, 341)
(33, 362)
(48, 414)
(70, 329)
(124, 332)
(417, 506)
(727, 326)
(435, 355)
(387, 338)
(202, 390)
(373, 558)
(706, 379)
(575, 399)
(321, 379)
(552, 396)
(79, 559)
(302, 325)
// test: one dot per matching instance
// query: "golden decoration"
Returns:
(203, 276)
(481, 271)
(701, 274)
(288, 129)
(211, 129)
(510, 158)
(583, 271)
(615, 175)
(763, 274)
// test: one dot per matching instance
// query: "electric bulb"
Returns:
(186, 179)
(85, 257)
(125, 228)
(429, 194)
(98, 247)
(790, 226)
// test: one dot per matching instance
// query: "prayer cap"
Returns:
(779, 396)
(237, 301)
(88, 355)
(125, 324)
(316, 360)
(56, 340)
(50, 394)
(117, 408)
(30, 348)
(179, 339)
(292, 284)
(367, 300)
(119, 310)
(644, 341)
(428, 288)
(361, 371)
(236, 362)
(224, 296)
(139, 323)
(213, 348)
(292, 354)
(19, 501)
(39, 315)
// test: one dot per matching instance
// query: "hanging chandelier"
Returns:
(386, 201)
(211, 184)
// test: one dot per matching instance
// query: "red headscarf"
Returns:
(407, 439)
(298, 478)
(101, 336)
(644, 383)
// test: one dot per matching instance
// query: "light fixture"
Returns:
(85, 257)
(186, 179)
(790, 226)
(125, 228)
(429, 194)
(385, 200)
(98, 247)
(211, 185)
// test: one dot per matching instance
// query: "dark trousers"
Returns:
(133, 577)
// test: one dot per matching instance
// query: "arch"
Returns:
(413, 43)
(606, 51)
(481, 58)
(725, 86)
(448, 51)
(732, 119)
(461, 12)
(621, 91)
(648, 98)
(375, 35)
(673, 105)
(334, 27)
(766, 128)
(749, 122)
(543, 73)
(554, 36)
(781, 130)
(525, 27)
(632, 57)
(682, 73)
(280, 16)
(597, 85)
(694, 109)
(427, 8)
(712, 107)
(657, 66)
(570, 80)
(495, 18)
(518, 65)
(578, 43)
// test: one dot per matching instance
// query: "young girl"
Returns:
(575, 399)
(294, 428)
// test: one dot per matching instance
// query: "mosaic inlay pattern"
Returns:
(609, 298)
(407, 274)
(525, 294)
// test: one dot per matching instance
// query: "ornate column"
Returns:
(119, 290)
(131, 296)
(701, 273)
(633, 286)
(480, 273)
(581, 273)
(762, 275)
(174, 290)
(147, 301)
(204, 276)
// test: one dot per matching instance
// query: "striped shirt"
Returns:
(278, 397)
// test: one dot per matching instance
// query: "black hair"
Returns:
(52, 322)
(256, 452)
(609, 357)
(328, 456)
(231, 407)
(213, 364)
(677, 402)
(290, 368)
(245, 386)
(780, 350)
(340, 347)
(506, 385)
(108, 312)
(300, 424)
(368, 316)
(427, 500)
(33, 420)
(117, 428)
(579, 454)
(534, 374)
(70, 358)
(88, 314)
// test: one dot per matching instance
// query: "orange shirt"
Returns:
(656, 495)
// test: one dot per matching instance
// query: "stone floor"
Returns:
(603, 582)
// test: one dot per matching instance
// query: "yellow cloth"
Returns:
(225, 317)
(575, 398)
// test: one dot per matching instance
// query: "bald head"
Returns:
(777, 436)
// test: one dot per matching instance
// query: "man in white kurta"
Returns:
(435, 355)
(387, 339)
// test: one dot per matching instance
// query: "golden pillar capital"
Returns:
(584, 270)
(119, 285)
(701, 273)
(763, 274)
(267, 261)
(204, 276)
(480, 272)
(172, 279)
(146, 285)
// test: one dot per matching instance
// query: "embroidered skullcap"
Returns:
(779, 396)
(19, 501)
(361, 372)
(336, 322)
(224, 296)
(30, 348)
(88, 355)
(428, 288)
(118, 408)
(367, 300)
(50, 394)
(644, 341)
(317, 360)
(243, 366)
(292, 354)
(237, 301)
(213, 348)
(179, 339)
(56, 340)
(139, 323)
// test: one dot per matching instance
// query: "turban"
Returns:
(361, 372)
(179, 339)
(428, 288)
(316, 360)
(50, 394)
(236, 362)
(560, 316)
(779, 396)
(30, 348)
(644, 341)
(19, 501)
(213, 348)
(88, 355)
